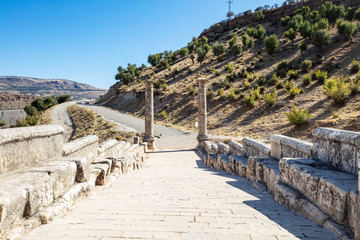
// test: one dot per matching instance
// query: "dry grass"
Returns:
(88, 122)
(45, 117)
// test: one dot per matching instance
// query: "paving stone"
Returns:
(175, 196)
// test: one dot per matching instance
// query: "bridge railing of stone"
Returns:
(41, 177)
(319, 180)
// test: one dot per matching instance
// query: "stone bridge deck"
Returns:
(175, 197)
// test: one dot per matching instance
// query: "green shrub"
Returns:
(250, 44)
(221, 92)
(321, 38)
(285, 21)
(294, 91)
(293, 74)
(245, 39)
(274, 80)
(210, 94)
(302, 47)
(322, 23)
(270, 98)
(354, 85)
(2, 123)
(163, 114)
(346, 28)
(357, 14)
(50, 101)
(234, 40)
(253, 97)
(236, 91)
(306, 80)
(230, 68)
(305, 29)
(331, 11)
(290, 34)
(236, 49)
(184, 52)
(63, 98)
(246, 84)
(218, 49)
(259, 32)
(191, 90)
(355, 66)
(298, 116)
(258, 15)
(295, 22)
(280, 85)
(271, 44)
(38, 103)
(321, 76)
(337, 89)
(306, 65)
(289, 85)
(30, 110)
(232, 94)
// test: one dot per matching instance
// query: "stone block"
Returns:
(207, 146)
(82, 168)
(353, 210)
(236, 148)
(223, 148)
(311, 211)
(328, 189)
(12, 206)
(275, 150)
(81, 147)
(214, 148)
(287, 196)
(107, 161)
(339, 148)
(212, 159)
(255, 148)
(251, 169)
(62, 175)
(27, 147)
(104, 171)
(107, 148)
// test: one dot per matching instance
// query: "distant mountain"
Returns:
(43, 87)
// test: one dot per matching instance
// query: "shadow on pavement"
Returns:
(294, 223)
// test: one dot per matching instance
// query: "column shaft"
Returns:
(149, 114)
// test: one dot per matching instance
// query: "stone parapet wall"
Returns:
(318, 180)
(27, 147)
(283, 146)
(86, 146)
(339, 148)
(255, 148)
(44, 189)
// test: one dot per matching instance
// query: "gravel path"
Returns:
(175, 197)
(168, 138)
(60, 116)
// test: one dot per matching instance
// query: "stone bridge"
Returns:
(291, 189)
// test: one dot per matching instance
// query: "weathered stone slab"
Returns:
(251, 169)
(214, 148)
(82, 168)
(255, 148)
(223, 148)
(267, 171)
(62, 175)
(104, 171)
(109, 162)
(236, 148)
(212, 159)
(339, 148)
(283, 146)
(207, 146)
(108, 148)
(27, 147)
(81, 147)
(328, 189)
(353, 210)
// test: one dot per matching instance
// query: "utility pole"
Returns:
(230, 2)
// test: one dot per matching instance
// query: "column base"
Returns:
(201, 139)
(150, 139)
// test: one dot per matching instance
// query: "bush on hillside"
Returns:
(295, 22)
(63, 98)
(245, 40)
(234, 40)
(321, 38)
(303, 47)
(355, 66)
(305, 29)
(320, 76)
(236, 49)
(322, 23)
(306, 65)
(271, 44)
(331, 11)
(270, 98)
(258, 15)
(184, 52)
(290, 34)
(337, 89)
(298, 116)
(306, 80)
(346, 28)
(218, 49)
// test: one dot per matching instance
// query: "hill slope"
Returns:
(37, 86)
(230, 85)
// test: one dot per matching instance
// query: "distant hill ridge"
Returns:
(38, 86)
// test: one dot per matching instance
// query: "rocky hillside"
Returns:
(43, 87)
(251, 89)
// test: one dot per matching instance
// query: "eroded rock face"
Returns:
(328, 189)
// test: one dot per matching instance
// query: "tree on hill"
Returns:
(346, 28)
(331, 11)
(321, 38)
(271, 44)
(218, 49)
(290, 34)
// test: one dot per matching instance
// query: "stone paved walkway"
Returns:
(175, 197)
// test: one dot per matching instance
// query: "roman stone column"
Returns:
(202, 112)
(149, 114)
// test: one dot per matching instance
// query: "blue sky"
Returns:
(86, 40)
